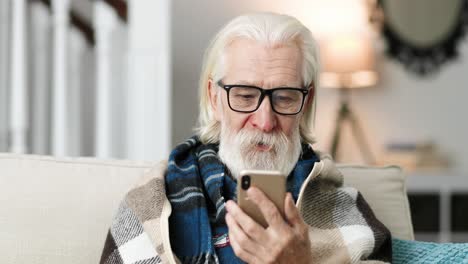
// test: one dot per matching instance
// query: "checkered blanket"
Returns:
(342, 227)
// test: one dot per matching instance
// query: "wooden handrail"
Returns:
(86, 28)
(76, 20)
(120, 7)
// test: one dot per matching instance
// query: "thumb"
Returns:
(291, 212)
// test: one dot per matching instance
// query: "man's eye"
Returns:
(284, 99)
(245, 96)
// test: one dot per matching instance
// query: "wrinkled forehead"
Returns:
(251, 62)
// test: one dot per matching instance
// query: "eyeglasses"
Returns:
(247, 98)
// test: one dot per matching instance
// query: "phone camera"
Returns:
(245, 182)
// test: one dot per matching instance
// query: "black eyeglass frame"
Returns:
(263, 92)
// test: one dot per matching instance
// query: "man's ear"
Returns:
(310, 98)
(213, 94)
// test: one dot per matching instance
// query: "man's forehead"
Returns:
(253, 63)
(264, 50)
(266, 84)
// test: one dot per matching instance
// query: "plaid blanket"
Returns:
(342, 227)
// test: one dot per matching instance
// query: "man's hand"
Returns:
(284, 241)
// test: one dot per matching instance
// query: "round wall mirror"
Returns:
(423, 34)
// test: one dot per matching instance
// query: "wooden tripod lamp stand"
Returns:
(348, 62)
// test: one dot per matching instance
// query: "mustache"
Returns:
(249, 137)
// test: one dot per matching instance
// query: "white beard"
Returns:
(238, 150)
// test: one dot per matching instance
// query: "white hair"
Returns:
(271, 30)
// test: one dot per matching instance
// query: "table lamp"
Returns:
(348, 63)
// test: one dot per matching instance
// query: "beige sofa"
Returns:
(58, 210)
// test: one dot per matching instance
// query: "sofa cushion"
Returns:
(58, 210)
(384, 189)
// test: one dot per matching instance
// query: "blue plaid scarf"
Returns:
(198, 185)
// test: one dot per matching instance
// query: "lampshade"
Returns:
(347, 61)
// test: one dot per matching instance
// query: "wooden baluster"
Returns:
(18, 92)
(60, 13)
(4, 78)
(105, 21)
(41, 92)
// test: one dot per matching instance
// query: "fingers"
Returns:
(294, 218)
(248, 225)
(283, 240)
(291, 212)
(241, 244)
(266, 206)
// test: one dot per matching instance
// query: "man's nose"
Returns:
(265, 118)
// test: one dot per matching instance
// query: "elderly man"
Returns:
(257, 99)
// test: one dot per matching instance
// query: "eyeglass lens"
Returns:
(285, 101)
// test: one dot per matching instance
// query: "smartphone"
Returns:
(272, 183)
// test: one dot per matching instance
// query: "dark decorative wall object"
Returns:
(428, 58)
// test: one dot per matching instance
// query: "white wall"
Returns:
(402, 106)
(408, 108)
(149, 82)
(193, 24)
